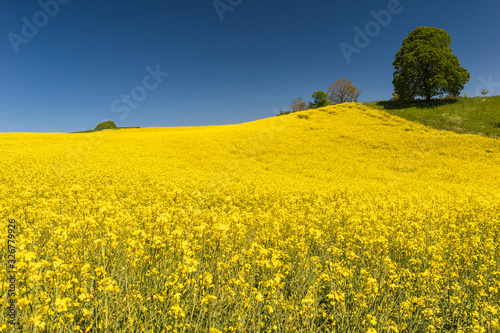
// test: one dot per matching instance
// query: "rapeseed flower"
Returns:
(350, 220)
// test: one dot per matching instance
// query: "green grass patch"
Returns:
(478, 115)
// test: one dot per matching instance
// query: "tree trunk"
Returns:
(426, 83)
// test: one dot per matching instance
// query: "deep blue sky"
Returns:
(71, 75)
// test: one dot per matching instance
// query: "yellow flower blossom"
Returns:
(62, 304)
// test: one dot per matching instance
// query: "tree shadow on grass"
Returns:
(420, 104)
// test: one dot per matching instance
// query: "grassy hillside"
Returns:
(347, 220)
(480, 115)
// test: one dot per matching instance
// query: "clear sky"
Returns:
(66, 65)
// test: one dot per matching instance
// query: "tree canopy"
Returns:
(426, 67)
(298, 105)
(105, 125)
(343, 91)
(319, 99)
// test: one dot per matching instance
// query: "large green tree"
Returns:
(426, 67)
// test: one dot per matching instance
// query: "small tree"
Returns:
(425, 66)
(343, 91)
(105, 125)
(298, 105)
(320, 99)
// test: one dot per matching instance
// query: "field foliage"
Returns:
(346, 219)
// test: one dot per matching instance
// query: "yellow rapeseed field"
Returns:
(342, 219)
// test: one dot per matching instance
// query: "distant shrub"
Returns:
(451, 97)
(105, 125)
(303, 116)
(282, 113)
